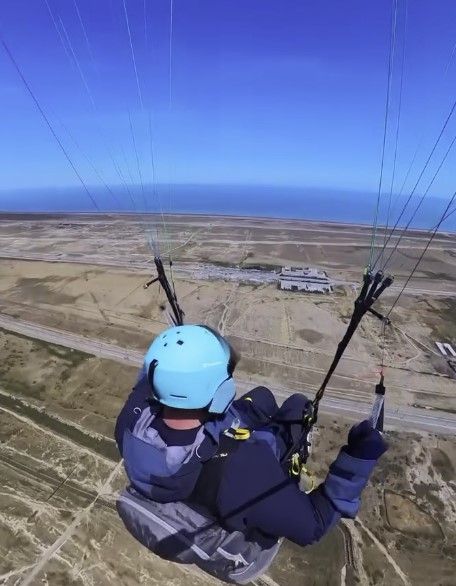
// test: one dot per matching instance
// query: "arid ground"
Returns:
(75, 320)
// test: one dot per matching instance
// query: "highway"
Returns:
(403, 417)
(71, 340)
(195, 270)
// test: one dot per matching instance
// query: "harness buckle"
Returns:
(295, 465)
(238, 433)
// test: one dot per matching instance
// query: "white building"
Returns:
(304, 279)
(446, 349)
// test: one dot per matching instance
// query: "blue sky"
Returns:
(288, 93)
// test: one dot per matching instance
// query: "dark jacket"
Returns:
(255, 494)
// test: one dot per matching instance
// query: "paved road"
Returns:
(195, 270)
(411, 417)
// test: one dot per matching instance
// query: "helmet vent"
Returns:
(165, 344)
(180, 342)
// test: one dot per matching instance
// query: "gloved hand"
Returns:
(365, 442)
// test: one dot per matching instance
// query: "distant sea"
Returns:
(257, 201)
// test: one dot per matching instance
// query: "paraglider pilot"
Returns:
(207, 480)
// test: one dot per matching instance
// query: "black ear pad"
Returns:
(233, 359)
(231, 365)
(150, 373)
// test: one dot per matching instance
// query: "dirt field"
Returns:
(58, 461)
(56, 453)
(285, 340)
(227, 241)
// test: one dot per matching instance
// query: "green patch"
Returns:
(39, 290)
(74, 357)
(100, 445)
(443, 329)
(310, 336)
(442, 464)
(262, 267)
(37, 391)
(66, 359)
(430, 408)
(441, 276)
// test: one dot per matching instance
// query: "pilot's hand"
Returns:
(365, 442)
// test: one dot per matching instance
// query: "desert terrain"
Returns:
(75, 321)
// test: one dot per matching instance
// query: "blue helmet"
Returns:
(190, 367)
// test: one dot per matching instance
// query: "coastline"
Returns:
(24, 216)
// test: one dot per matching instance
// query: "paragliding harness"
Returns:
(170, 503)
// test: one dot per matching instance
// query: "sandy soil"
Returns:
(341, 248)
(284, 339)
(52, 473)
(58, 461)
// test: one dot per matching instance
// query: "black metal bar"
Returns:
(177, 312)
(381, 317)
(149, 283)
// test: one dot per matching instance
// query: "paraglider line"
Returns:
(385, 126)
(398, 124)
(74, 61)
(418, 206)
(127, 22)
(86, 37)
(90, 162)
(426, 164)
(138, 164)
(59, 34)
(78, 65)
(443, 217)
(170, 77)
(48, 123)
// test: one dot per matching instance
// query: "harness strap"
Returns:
(207, 486)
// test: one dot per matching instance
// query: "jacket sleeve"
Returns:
(255, 493)
(347, 478)
(137, 400)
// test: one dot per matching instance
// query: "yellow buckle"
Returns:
(307, 479)
(295, 468)
(238, 433)
(241, 433)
